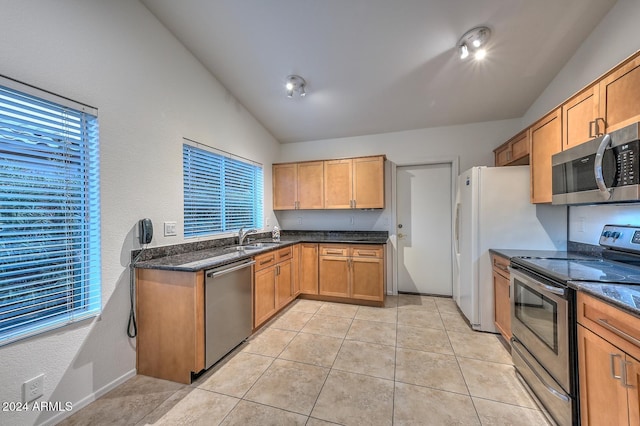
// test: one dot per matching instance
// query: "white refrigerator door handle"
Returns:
(456, 230)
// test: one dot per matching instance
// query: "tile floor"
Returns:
(415, 362)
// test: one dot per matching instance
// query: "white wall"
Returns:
(150, 93)
(614, 39)
(471, 144)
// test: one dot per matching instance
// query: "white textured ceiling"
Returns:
(376, 66)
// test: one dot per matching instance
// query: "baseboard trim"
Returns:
(89, 399)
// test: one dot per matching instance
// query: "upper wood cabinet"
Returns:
(514, 152)
(580, 118)
(298, 186)
(355, 183)
(338, 184)
(351, 183)
(546, 140)
(620, 95)
(607, 105)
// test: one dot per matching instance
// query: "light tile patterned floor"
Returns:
(414, 362)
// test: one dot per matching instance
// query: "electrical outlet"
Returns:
(267, 221)
(33, 389)
(170, 229)
(299, 220)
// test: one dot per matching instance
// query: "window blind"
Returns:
(49, 213)
(221, 193)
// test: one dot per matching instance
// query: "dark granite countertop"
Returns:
(624, 296)
(509, 253)
(211, 257)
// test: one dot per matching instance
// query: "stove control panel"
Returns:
(621, 237)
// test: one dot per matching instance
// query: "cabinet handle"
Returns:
(592, 127)
(612, 366)
(354, 204)
(623, 373)
(500, 266)
(629, 338)
(264, 262)
(508, 155)
(333, 252)
(366, 253)
(604, 125)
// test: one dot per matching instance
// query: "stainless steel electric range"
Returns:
(543, 314)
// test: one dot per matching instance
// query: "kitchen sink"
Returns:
(255, 246)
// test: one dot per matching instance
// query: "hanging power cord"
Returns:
(132, 327)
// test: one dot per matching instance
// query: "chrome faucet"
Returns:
(242, 234)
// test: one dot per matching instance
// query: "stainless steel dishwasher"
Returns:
(228, 319)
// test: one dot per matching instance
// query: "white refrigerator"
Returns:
(493, 211)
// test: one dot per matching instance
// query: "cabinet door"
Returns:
(368, 182)
(546, 140)
(603, 399)
(338, 193)
(308, 274)
(520, 147)
(285, 186)
(295, 281)
(502, 304)
(577, 114)
(633, 394)
(264, 295)
(284, 289)
(502, 155)
(367, 278)
(311, 185)
(620, 96)
(333, 276)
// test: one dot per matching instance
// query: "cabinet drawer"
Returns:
(366, 251)
(284, 254)
(500, 265)
(265, 260)
(334, 250)
(618, 327)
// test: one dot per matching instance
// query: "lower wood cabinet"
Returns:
(502, 295)
(170, 314)
(273, 284)
(308, 268)
(353, 272)
(609, 370)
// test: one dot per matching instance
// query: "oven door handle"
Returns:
(533, 283)
(563, 397)
(547, 288)
(597, 167)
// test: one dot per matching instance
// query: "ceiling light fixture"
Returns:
(474, 41)
(295, 83)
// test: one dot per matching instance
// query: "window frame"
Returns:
(67, 269)
(219, 191)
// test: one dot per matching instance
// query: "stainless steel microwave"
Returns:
(602, 170)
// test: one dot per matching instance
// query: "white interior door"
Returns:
(424, 229)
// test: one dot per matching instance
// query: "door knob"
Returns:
(401, 236)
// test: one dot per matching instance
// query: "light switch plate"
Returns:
(170, 229)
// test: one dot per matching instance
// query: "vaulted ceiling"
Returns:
(377, 66)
